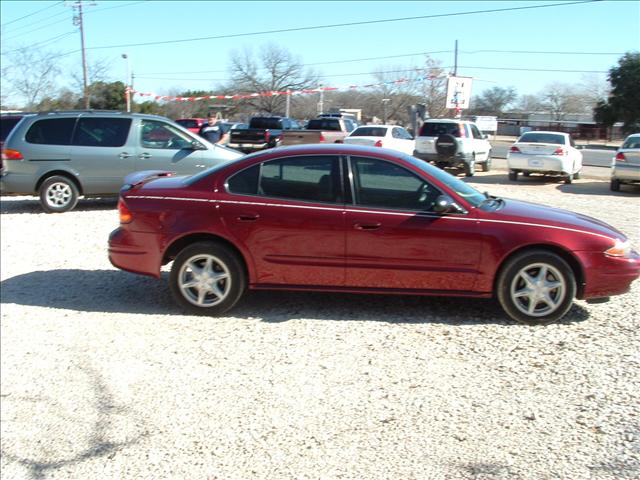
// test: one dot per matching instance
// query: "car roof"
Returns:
(329, 148)
(547, 131)
(445, 120)
(102, 113)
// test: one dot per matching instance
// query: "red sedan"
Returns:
(344, 218)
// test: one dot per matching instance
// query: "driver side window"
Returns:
(383, 184)
(160, 135)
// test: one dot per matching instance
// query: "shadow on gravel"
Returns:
(113, 291)
(33, 205)
(599, 188)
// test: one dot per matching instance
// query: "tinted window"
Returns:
(434, 129)
(51, 131)
(245, 182)
(155, 134)
(632, 142)
(369, 132)
(476, 133)
(349, 125)
(265, 122)
(6, 125)
(534, 137)
(384, 184)
(188, 123)
(301, 178)
(329, 124)
(102, 132)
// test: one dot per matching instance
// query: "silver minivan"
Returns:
(62, 155)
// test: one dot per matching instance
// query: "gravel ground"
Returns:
(103, 377)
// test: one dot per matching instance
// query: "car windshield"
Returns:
(434, 129)
(369, 132)
(542, 138)
(631, 142)
(470, 194)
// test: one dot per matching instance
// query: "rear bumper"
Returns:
(248, 147)
(16, 184)
(539, 164)
(130, 252)
(458, 159)
(607, 276)
(626, 173)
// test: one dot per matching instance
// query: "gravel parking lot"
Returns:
(103, 377)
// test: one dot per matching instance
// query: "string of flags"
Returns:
(273, 93)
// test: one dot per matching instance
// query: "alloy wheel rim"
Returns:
(59, 194)
(538, 289)
(204, 280)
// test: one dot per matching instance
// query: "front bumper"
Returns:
(607, 276)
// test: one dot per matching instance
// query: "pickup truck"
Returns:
(263, 132)
(319, 130)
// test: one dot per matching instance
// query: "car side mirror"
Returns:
(195, 145)
(445, 204)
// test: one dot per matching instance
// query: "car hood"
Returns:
(518, 211)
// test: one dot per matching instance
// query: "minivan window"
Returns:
(102, 132)
(6, 125)
(155, 134)
(434, 129)
(51, 131)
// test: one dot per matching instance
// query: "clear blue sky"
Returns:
(606, 26)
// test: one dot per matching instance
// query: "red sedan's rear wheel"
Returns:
(536, 287)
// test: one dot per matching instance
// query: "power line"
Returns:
(535, 69)
(545, 53)
(31, 14)
(40, 28)
(337, 25)
(42, 42)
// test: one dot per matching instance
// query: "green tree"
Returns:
(495, 100)
(107, 96)
(624, 100)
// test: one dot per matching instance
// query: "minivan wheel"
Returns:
(207, 278)
(536, 287)
(58, 194)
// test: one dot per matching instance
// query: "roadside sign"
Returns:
(458, 92)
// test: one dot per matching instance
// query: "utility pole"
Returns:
(77, 20)
(288, 108)
(127, 93)
(455, 61)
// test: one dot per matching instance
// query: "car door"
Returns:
(289, 214)
(102, 153)
(163, 147)
(396, 241)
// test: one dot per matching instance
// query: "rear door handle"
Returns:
(144, 155)
(366, 226)
(248, 218)
(124, 155)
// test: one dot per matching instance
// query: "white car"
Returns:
(625, 166)
(387, 136)
(547, 153)
(453, 143)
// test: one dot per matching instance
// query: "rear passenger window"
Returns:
(102, 132)
(313, 178)
(245, 182)
(51, 131)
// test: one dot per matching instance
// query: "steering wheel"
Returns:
(426, 196)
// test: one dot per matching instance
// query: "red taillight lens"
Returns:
(322, 139)
(561, 151)
(378, 143)
(514, 149)
(8, 154)
(462, 132)
(267, 136)
(620, 157)
(125, 214)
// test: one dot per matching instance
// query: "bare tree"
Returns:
(390, 100)
(595, 88)
(529, 103)
(275, 70)
(434, 88)
(495, 100)
(97, 71)
(31, 72)
(561, 99)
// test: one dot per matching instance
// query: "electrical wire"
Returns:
(30, 15)
(41, 43)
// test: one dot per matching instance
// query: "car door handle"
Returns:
(248, 218)
(144, 155)
(366, 226)
(124, 155)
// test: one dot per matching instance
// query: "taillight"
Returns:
(514, 149)
(125, 214)
(561, 151)
(322, 139)
(620, 157)
(462, 132)
(8, 154)
(378, 143)
(267, 136)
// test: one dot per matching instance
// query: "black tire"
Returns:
(58, 194)
(220, 287)
(513, 175)
(446, 145)
(470, 167)
(486, 166)
(526, 174)
(615, 185)
(552, 280)
(442, 165)
(569, 179)
(576, 176)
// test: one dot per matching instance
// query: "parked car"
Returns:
(192, 124)
(228, 126)
(60, 156)
(387, 136)
(346, 218)
(546, 153)
(625, 166)
(263, 133)
(453, 143)
(319, 130)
